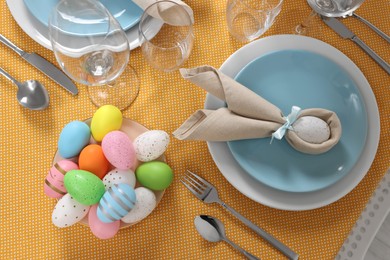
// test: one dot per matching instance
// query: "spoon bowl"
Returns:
(31, 94)
(213, 230)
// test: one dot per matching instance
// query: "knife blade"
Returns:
(43, 65)
(346, 33)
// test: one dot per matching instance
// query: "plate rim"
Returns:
(32, 10)
(39, 33)
(336, 177)
(287, 200)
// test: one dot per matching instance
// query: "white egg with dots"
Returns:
(312, 129)
(68, 211)
(117, 176)
(151, 145)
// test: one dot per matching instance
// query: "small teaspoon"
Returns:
(213, 230)
(31, 94)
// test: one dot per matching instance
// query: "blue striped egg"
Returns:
(116, 202)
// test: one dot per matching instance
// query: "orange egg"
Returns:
(93, 160)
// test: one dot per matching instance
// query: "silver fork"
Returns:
(206, 192)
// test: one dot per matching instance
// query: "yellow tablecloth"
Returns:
(28, 142)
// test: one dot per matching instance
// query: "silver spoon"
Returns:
(31, 94)
(213, 230)
(331, 8)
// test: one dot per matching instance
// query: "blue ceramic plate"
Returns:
(126, 12)
(308, 80)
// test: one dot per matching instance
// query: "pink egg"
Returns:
(100, 229)
(54, 181)
(119, 150)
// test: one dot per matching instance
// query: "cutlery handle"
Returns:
(11, 45)
(245, 253)
(372, 54)
(273, 241)
(376, 29)
(7, 76)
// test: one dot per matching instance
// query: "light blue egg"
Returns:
(73, 138)
(116, 202)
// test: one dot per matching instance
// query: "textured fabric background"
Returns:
(28, 143)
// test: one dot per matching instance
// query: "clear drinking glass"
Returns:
(168, 45)
(249, 19)
(311, 25)
(91, 47)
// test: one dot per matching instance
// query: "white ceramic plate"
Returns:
(264, 194)
(39, 33)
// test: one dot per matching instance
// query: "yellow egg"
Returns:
(106, 119)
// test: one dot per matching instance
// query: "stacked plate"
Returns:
(32, 16)
(290, 70)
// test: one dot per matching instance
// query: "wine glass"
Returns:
(166, 35)
(92, 48)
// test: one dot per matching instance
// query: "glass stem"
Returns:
(301, 28)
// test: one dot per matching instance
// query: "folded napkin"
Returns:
(165, 11)
(248, 115)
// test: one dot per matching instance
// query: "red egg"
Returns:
(54, 181)
(93, 160)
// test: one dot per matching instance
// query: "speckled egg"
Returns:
(85, 187)
(118, 176)
(54, 181)
(154, 175)
(68, 211)
(151, 145)
(73, 138)
(119, 150)
(312, 129)
(93, 160)
(116, 203)
(100, 229)
(146, 202)
(106, 119)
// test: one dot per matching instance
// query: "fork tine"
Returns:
(203, 181)
(196, 181)
(189, 181)
(196, 193)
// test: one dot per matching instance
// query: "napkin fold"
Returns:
(246, 116)
(165, 11)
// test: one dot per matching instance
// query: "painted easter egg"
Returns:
(68, 211)
(154, 175)
(101, 229)
(116, 203)
(312, 129)
(85, 187)
(93, 160)
(119, 150)
(146, 202)
(118, 176)
(106, 119)
(151, 145)
(54, 181)
(73, 138)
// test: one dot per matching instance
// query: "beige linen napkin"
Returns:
(246, 116)
(165, 11)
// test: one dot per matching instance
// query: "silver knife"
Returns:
(43, 65)
(344, 32)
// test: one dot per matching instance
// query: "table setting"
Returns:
(145, 129)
